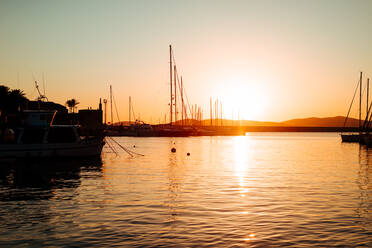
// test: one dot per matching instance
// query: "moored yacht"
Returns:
(37, 137)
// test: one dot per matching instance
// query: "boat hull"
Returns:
(90, 148)
(350, 138)
(367, 140)
(174, 132)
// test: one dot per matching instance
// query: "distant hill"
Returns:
(337, 121)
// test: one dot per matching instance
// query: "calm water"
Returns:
(261, 190)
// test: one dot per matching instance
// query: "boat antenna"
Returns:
(41, 96)
(112, 116)
(44, 83)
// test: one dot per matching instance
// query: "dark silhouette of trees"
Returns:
(11, 101)
(71, 104)
(4, 91)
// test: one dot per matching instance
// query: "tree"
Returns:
(11, 101)
(71, 104)
(4, 92)
(17, 100)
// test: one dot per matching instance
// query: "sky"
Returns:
(264, 60)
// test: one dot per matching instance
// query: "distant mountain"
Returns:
(337, 121)
(227, 122)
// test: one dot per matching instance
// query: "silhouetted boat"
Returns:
(138, 129)
(174, 131)
(38, 138)
(353, 138)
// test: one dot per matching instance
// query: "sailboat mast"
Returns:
(105, 103)
(217, 113)
(367, 93)
(175, 94)
(182, 100)
(170, 79)
(210, 108)
(112, 119)
(221, 113)
(130, 103)
(360, 102)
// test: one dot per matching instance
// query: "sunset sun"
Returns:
(244, 99)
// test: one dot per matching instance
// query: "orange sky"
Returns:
(267, 60)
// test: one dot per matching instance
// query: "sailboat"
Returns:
(173, 129)
(353, 138)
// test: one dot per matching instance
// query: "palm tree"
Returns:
(17, 100)
(72, 104)
(11, 101)
(4, 91)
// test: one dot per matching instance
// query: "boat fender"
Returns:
(173, 149)
(9, 136)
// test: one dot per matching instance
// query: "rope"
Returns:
(111, 147)
(126, 149)
(187, 99)
(348, 112)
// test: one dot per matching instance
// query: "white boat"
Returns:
(39, 138)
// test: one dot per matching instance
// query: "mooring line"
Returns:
(111, 147)
(126, 149)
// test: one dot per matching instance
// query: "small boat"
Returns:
(174, 131)
(38, 138)
(366, 139)
(350, 138)
(138, 129)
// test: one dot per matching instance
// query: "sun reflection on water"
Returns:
(250, 237)
(242, 157)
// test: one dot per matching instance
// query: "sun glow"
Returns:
(244, 99)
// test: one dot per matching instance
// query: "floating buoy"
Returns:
(188, 154)
(173, 149)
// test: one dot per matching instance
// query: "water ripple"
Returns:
(261, 190)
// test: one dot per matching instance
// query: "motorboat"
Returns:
(37, 137)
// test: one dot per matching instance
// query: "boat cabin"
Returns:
(48, 135)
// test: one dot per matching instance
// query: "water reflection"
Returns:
(241, 161)
(36, 180)
(365, 187)
(298, 191)
(174, 181)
